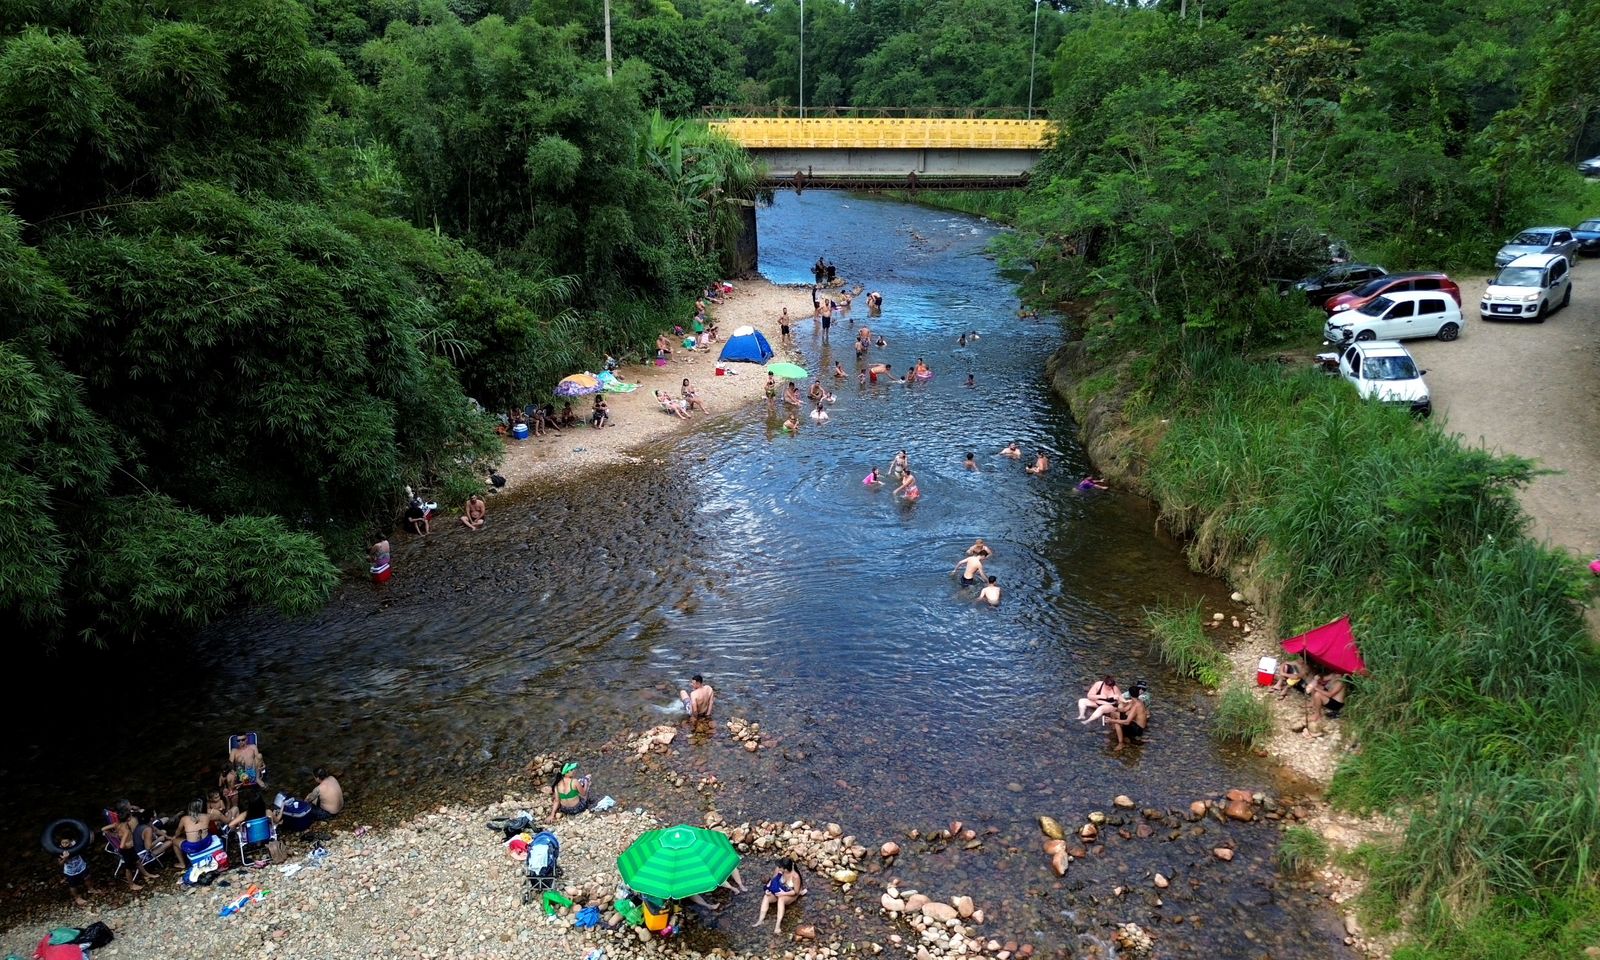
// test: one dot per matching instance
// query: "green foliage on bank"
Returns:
(998, 205)
(1179, 639)
(265, 264)
(1242, 717)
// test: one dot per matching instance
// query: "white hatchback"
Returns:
(1383, 370)
(1528, 288)
(1398, 316)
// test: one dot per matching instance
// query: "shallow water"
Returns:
(815, 606)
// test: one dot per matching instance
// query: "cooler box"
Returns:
(520, 431)
(1266, 671)
(720, 372)
(380, 574)
(296, 816)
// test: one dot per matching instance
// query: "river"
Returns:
(815, 606)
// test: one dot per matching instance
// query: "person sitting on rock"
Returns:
(569, 793)
(785, 887)
(1102, 697)
(1288, 676)
(1327, 694)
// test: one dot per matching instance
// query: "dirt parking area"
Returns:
(1532, 390)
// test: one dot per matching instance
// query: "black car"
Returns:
(1587, 234)
(1337, 279)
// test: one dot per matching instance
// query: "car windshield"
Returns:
(1370, 287)
(1375, 308)
(1519, 277)
(1531, 238)
(1590, 226)
(1389, 368)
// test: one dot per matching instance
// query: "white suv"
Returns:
(1528, 287)
(1398, 316)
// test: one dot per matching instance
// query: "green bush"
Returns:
(1242, 717)
(1179, 639)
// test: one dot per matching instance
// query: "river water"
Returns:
(817, 607)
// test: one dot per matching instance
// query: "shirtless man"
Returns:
(472, 519)
(247, 760)
(991, 593)
(1041, 463)
(121, 832)
(971, 568)
(1012, 451)
(838, 371)
(980, 549)
(699, 699)
(327, 800)
(1131, 723)
(970, 463)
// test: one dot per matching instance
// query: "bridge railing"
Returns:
(724, 111)
(859, 133)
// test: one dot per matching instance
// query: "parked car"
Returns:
(1382, 370)
(1393, 283)
(1587, 234)
(1337, 279)
(1589, 167)
(1538, 240)
(1528, 287)
(1397, 316)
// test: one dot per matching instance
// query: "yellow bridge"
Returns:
(884, 133)
(890, 151)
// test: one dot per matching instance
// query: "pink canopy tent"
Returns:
(1332, 645)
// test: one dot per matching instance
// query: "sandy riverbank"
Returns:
(637, 419)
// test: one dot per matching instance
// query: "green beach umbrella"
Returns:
(787, 371)
(678, 862)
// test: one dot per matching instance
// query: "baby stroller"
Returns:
(540, 870)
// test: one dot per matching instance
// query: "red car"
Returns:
(1393, 283)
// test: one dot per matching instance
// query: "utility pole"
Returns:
(802, 59)
(608, 39)
(1033, 56)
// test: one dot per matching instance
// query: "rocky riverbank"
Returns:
(1120, 450)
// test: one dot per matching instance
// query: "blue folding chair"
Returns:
(255, 833)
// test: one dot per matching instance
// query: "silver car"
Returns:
(1538, 240)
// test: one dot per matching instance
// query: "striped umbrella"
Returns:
(678, 862)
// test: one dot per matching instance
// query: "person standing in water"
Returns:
(991, 593)
(970, 463)
(979, 549)
(771, 390)
(971, 570)
(908, 487)
(1011, 451)
(1041, 463)
(901, 465)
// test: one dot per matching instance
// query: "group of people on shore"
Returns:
(1325, 690)
(140, 839)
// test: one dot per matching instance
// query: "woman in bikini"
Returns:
(691, 397)
(785, 887)
(1102, 698)
(908, 487)
(569, 793)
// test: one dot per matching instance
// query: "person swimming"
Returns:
(991, 593)
(1041, 463)
(971, 380)
(970, 463)
(1091, 483)
(838, 371)
(871, 479)
(819, 414)
(979, 549)
(1012, 451)
(791, 425)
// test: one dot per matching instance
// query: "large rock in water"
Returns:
(942, 912)
(1240, 810)
(1051, 828)
(892, 903)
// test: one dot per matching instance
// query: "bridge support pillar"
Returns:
(746, 254)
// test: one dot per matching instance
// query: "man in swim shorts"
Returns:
(699, 699)
(881, 369)
(246, 759)
(1131, 722)
(971, 568)
(991, 593)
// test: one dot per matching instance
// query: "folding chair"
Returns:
(146, 858)
(255, 833)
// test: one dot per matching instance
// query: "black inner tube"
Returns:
(85, 836)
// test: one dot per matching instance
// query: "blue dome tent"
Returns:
(747, 345)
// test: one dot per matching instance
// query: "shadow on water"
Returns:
(816, 606)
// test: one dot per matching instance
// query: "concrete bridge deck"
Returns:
(846, 149)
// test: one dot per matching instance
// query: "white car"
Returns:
(1383, 370)
(1528, 287)
(1397, 316)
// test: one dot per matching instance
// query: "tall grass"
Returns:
(1300, 849)
(1480, 717)
(1242, 717)
(1180, 640)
